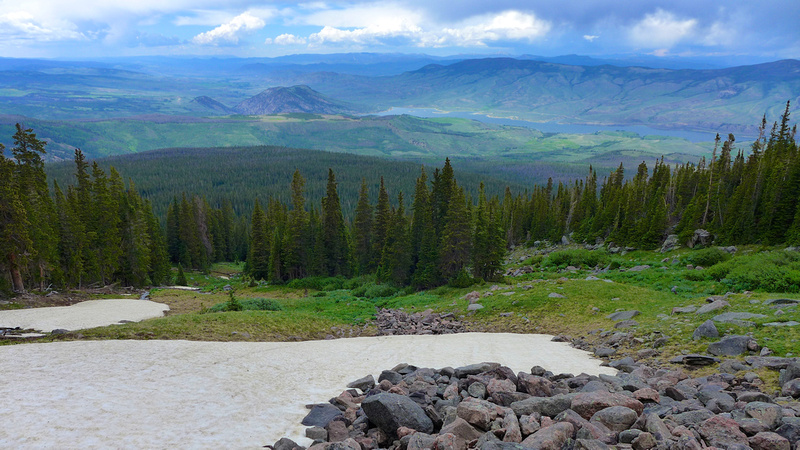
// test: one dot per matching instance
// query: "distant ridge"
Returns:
(293, 99)
(207, 103)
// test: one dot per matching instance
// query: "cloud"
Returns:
(22, 25)
(590, 37)
(661, 29)
(286, 39)
(230, 32)
(409, 28)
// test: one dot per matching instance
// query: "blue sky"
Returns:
(697, 28)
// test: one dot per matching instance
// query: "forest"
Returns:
(101, 232)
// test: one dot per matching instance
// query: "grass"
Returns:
(320, 307)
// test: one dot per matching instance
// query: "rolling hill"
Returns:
(293, 99)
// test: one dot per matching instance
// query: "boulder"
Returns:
(722, 432)
(767, 440)
(791, 388)
(736, 318)
(700, 237)
(551, 438)
(713, 306)
(615, 418)
(588, 403)
(733, 345)
(767, 413)
(544, 406)
(287, 444)
(366, 383)
(623, 315)
(392, 411)
(706, 330)
(478, 413)
(321, 415)
(534, 385)
(670, 243)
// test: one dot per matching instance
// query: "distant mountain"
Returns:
(724, 100)
(293, 99)
(208, 104)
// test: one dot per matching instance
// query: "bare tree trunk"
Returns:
(16, 277)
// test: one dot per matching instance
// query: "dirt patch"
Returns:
(71, 297)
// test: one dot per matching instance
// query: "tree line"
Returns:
(96, 232)
(99, 231)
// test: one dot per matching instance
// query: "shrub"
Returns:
(371, 290)
(180, 279)
(252, 304)
(317, 283)
(577, 257)
(768, 271)
(462, 280)
(707, 257)
(232, 303)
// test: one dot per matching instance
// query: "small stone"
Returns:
(706, 330)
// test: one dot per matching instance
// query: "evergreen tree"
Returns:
(260, 246)
(381, 225)
(295, 235)
(14, 239)
(488, 246)
(334, 233)
(362, 231)
(456, 241)
(395, 265)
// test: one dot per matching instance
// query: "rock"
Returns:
(391, 376)
(684, 309)
(337, 431)
(706, 330)
(700, 237)
(670, 243)
(767, 413)
(551, 438)
(366, 383)
(790, 372)
(321, 415)
(733, 345)
(623, 315)
(287, 444)
(555, 295)
(544, 406)
(474, 369)
(722, 432)
(473, 296)
(474, 307)
(590, 444)
(391, 411)
(534, 385)
(790, 430)
(736, 317)
(604, 352)
(791, 388)
(615, 418)
(644, 441)
(495, 386)
(713, 306)
(767, 440)
(588, 403)
(420, 441)
(789, 323)
(694, 360)
(463, 431)
(639, 268)
(781, 301)
(478, 413)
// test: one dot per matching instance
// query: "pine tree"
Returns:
(260, 245)
(424, 256)
(295, 235)
(395, 265)
(362, 231)
(488, 247)
(456, 241)
(14, 239)
(381, 225)
(334, 233)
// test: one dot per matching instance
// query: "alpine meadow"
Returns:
(370, 226)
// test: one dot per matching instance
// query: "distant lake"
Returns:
(553, 127)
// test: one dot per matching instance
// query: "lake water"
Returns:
(553, 127)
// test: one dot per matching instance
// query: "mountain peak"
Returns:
(291, 99)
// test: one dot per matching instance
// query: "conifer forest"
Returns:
(99, 230)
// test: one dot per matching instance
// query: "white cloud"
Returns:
(590, 37)
(23, 25)
(371, 25)
(203, 17)
(230, 32)
(661, 29)
(286, 39)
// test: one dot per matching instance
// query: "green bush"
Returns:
(577, 257)
(252, 304)
(462, 280)
(768, 271)
(707, 257)
(317, 283)
(371, 290)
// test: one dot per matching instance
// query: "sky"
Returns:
(82, 29)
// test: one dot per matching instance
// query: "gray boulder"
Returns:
(366, 383)
(391, 411)
(700, 237)
(713, 306)
(706, 330)
(670, 243)
(321, 415)
(545, 406)
(623, 315)
(736, 317)
(733, 346)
